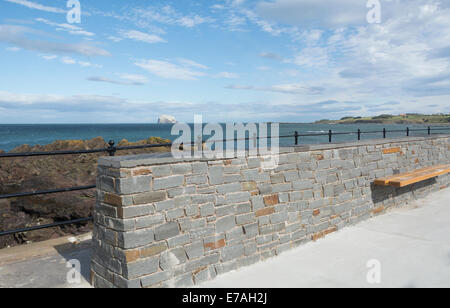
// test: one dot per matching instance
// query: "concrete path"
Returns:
(411, 244)
(44, 264)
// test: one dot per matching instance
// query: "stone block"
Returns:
(271, 200)
(133, 185)
(149, 221)
(153, 249)
(207, 209)
(245, 218)
(215, 174)
(194, 250)
(179, 240)
(196, 179)
(154, 279)
(225, 223)
(160, 171)
(141, 268)
(168, 182)
(134, 239)
(302, 185)
(232, 252)
(149, 197)
(167, 231)
(264, 212)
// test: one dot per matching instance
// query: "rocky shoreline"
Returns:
(50, 172)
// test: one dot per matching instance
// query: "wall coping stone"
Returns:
(151, 159)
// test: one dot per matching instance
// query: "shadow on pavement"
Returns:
(81, 252)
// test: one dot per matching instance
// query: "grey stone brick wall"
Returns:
(171, 223)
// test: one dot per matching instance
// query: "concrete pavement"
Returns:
(44, 264)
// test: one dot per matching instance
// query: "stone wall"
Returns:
(163, 222)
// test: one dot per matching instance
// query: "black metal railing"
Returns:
(112, 149)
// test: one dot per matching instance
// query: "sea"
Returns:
(12, 136)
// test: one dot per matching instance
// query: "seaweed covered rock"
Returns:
(151, 140)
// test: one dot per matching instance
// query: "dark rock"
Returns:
(5, 206)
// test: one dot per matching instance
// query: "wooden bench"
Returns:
(405, 179)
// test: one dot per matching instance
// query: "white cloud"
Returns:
(235, 22)
(37, 6)
(13, 49)
(130, 80)
(67, 60)
(166, 15)
(265, 25)
(134, 78)
(405, 59)
(312, 56)
(169, 70)
(191, 63)
(192, 21)
(226, 75)
(115, 38)
(314, 13)
(81, 32)
(48, 57)
(236, 2)
(142, 37)
(91, 108)
(293, 88)
(61, 103)
(72, 29)
(395, 55)
(85, 63)
(333, 54)
(218, 7)
(16, 35)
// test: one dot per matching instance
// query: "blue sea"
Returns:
(12, 136)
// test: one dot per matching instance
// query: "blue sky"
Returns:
(228, 60)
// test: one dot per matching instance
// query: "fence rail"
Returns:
(112, 149)
(46, 192)
(55, 224)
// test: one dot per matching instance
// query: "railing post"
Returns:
(330, 134)
(359, 134)
(429, 130)
(111, 149)
(384, 133)
(407, 132)
(296, 137)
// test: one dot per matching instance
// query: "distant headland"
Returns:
(407, 118)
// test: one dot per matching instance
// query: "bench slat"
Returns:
(408, 180)
(386, 180)
(405, 179)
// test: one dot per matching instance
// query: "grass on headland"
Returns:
(410, 118)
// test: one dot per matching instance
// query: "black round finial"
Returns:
(111, 142)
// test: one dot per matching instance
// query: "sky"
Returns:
(227, 60)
